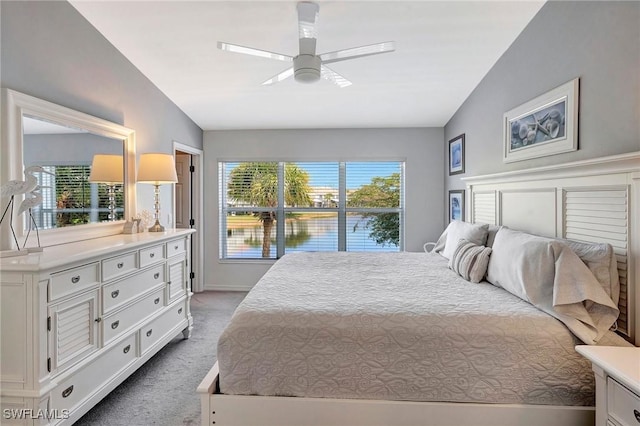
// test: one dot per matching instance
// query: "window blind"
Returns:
(68, 198)
(268, 209)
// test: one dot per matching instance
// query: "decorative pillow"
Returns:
(602, 262)
(549, 275)
(458, 230)
(470, 261)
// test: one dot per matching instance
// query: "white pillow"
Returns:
(458, 230)
(521, 262)
(470, 261)
(549, 275)
(602, 262)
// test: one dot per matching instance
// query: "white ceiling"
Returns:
(443, 50)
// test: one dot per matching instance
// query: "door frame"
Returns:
(197, 194)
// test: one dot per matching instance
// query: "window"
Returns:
(68, 198)
(268, 209)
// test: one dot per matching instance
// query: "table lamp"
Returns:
(108, 169)
(156, 169)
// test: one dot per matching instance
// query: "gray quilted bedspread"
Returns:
(397, 326)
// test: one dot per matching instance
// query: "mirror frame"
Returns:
(14, 106)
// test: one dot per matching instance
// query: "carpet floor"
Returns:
(163, 391)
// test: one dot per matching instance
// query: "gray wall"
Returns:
(419, 148)
(51, 52)
(596, 41)
(66, 149)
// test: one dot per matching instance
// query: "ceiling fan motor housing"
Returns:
(306, 68)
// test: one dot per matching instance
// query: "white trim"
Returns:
(197, 257)
(621, 163)
(250, 410)
(14, 106)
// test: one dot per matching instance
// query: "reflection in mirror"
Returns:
(69, 197)
(62, 149)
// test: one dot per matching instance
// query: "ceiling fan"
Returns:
(309, 67)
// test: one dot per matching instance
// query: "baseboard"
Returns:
(218, 287)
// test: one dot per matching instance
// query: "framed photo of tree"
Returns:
(456, 205)
(456, 155)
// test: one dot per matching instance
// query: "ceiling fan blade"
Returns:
(358, 52)
(235, 48)
(329, 74)
(308, 27)
(279, 77)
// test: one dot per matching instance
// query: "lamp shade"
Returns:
(107, 168)
(156, 168)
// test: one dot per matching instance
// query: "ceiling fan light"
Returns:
(306, 68)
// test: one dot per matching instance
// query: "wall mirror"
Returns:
(63, 142)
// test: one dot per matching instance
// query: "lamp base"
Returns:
(156, 227)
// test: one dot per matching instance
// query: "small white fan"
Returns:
(307, 66)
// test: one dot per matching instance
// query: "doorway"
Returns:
(188, 204)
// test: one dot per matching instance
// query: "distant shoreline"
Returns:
(251, 221)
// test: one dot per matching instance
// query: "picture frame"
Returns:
(456, 155)
(456, 205)
(546, 125)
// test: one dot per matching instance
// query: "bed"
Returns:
(349, 338)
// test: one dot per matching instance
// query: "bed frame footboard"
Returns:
(247, 410)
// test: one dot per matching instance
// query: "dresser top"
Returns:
(64, 254)
(621, 363)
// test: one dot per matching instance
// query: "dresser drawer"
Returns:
(73, 280)
(623, 405)
(160, 326)
(121, 321)
(176, 247)
(86, 381)
(118, 266)
(119, 292)
(151, 255)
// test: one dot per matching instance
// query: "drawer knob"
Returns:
(75, 279)
(115, 294)
(636, 413)
(126, 349)
(120, 265)
(115, 324)
(179, 311)
(175, 247)
(151, 255)
(156, 275)
(149, 332)
(67, 391)
(155, 302)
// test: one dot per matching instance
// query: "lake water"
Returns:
(315, 234)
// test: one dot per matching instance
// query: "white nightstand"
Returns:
(617, 372)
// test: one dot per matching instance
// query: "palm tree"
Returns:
(256, 183)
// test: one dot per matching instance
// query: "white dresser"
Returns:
(617, 372)
(79, 318)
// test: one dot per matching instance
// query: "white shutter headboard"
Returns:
(595, 200)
